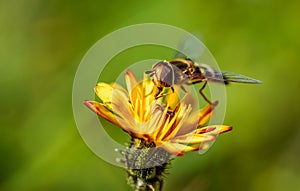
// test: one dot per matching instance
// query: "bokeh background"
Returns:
(43, 42)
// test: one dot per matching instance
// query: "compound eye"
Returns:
(159, 64)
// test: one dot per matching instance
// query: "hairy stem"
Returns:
(145, 165)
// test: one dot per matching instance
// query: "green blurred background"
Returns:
(43, 42)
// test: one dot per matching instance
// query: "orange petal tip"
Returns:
(225, 129)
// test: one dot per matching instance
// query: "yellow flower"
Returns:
(168, 122)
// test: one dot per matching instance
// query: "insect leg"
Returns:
(157, 95)
(152, 73)
(159, 90)
(201, 89)
(183, 89)
(146, 95)
(202, 94)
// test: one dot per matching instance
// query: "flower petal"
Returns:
(205, 129)
(206, 113)
(194, 139)
(196, 119)
(107, 92)
(190, 124)
(104, 112)
(131, 82)
(183, 112)
(163, 121)
(177, 149)
(224, 129)
(121, 106)
(142, 96)
(189, 99)
(171, 99)
(213, 129)
(156, 120)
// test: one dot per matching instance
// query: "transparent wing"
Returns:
(190, 47)
(234, 77)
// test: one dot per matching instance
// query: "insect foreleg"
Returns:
(157, 95)
(159, 90)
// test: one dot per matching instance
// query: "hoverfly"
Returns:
(186, 72)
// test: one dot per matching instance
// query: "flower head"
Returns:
(168, 122)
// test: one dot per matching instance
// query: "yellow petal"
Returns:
(191, 148)
(171, 99)
(108, 92)
(174, 148)
(197, 119)
(155, 121)
(190, 124)
(224, 129)
(189, 99)
(142, 97)
(184, 112)
(148, 88)
(131, 82)
(121, 106)
(163, 129)
(104, 112)
(178, 149)
(204, 146)
(194, 139)
(115, 98)
(163, 121)
(213, 129)
(206, 113)
(112, 116)
(206, 129)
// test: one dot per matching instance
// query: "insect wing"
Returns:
(234, 77)
(190, 47)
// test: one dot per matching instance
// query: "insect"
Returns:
(182, 72)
